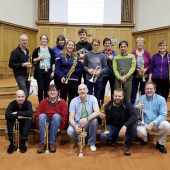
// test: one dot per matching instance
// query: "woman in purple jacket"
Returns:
(142, 68)
(160, 70)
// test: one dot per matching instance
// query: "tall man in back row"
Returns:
(19, 62)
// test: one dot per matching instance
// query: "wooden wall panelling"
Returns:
(71, 32)
(153, 37)
(9, 36)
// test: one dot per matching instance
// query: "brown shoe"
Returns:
(52, 148)
(41, 148)
(127, 151)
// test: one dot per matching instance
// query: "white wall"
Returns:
(151, 14)
(21, 12)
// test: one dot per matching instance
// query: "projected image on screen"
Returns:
(85, 11)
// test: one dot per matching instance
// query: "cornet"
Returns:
(46, 138)
(82, 137)
(94, 77)
(17, 131)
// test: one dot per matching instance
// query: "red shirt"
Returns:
(49, 109)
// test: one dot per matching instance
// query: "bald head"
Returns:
(82, 90)
(23, 40)
(20, 96)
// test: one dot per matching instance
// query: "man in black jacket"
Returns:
(19, 62)
(121, 120)
(20, 109)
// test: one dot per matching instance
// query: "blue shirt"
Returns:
(155, 109)
(76, 106)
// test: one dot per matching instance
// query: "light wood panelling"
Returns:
(153, 37)
(9, 35)
(71, 32)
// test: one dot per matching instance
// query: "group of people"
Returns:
(80, 72)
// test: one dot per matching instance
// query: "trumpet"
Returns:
(94, 77)
(30, 70)
(82, 137)
(46, 138)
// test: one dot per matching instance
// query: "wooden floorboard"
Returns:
(105, 158)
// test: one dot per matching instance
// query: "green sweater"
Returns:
(124, 65)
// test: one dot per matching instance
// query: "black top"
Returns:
(121, 115)
(37, 70)
(83, 44)
(17, 58)
(22, 110)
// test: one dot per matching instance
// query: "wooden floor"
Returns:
(105, 158)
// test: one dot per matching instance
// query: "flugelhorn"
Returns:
(94, 77)
(139, 107)
(82, 137)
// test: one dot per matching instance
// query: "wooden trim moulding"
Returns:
(151, 30)
(19, 26)
(39, 23)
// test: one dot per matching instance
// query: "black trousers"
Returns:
(24, 127)
(68, 90)
(111, 80)
(162, 87)
(43, 81)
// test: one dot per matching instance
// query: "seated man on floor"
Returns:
(154, 117)
(52, 111)
(19, 110)
(84, 111)
(121, 120)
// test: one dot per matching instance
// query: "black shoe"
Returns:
(11, 148)
(161, 148)
(142, 142)
(127, 151)
(23, 147)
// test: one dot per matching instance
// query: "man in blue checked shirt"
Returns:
(84, 111)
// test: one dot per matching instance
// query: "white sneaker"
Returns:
(93, 148)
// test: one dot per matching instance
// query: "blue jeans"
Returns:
(91, 130)
(54, 124)
(114, 133)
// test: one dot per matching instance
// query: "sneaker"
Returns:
(161, 148)
(11, 148)
(41, 148)
(52, 148)
(93, 148)
(127, 151)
